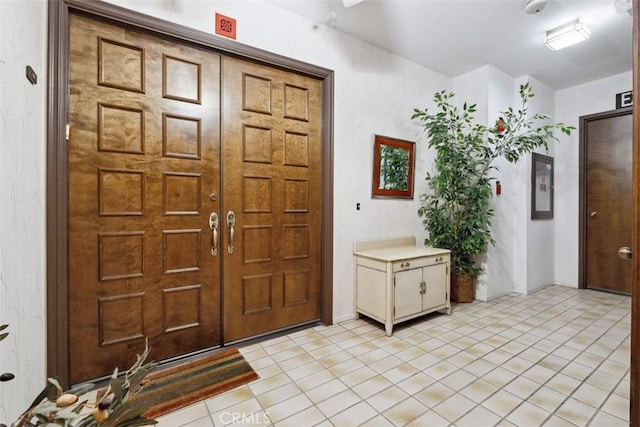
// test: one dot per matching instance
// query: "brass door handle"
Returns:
(213, 225)
(231, 223)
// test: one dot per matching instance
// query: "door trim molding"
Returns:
(57, 165)
(582, 189)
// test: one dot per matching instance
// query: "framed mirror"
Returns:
(393, 165)
(541, 186)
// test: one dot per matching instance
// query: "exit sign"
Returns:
(225, 26)
(624, 99)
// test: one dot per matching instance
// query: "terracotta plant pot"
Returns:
(463, 288)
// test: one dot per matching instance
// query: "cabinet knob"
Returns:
(405, 265)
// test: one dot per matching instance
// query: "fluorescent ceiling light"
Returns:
(566, 35)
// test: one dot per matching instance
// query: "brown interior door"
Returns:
(271, 143)
(143, 178)
(608, 207)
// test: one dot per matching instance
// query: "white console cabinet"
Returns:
(397, 280)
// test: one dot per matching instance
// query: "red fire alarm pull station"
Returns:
(498, 188)
(225, 26)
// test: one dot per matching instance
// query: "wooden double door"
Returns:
(194, 198)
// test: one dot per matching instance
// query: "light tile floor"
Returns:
(558, 357)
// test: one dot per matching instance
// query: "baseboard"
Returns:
(344, 318)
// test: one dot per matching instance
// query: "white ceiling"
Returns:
(456, 36)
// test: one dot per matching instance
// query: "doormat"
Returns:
(173, 388)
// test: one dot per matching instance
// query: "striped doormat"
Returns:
(173, 388)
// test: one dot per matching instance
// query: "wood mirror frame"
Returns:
(393, 167)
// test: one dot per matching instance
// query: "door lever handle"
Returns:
(213, 225)
(231, 223)
(625, 252)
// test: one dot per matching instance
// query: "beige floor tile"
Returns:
(180, 417)
(458, 380)
(336, 358)
(591, 395)
(305, 370)
(271, 383)
(479, 390)
(271, 397)
(387, 398)
(547, 399)
(617, 406)
(434, 394)
(440, 370)
(429, 418)
(478, 417)
(355, 415)
(522, 387)
(372, 386)
(307, 417)
(499, 376)
(357, 376)
(555, 421)
(563, 384)
(528, 414)
(229, 398)
(416, 383)
(502, 402)
(575, 411)
(379, 421)
(288, 408)
(242, 410)
(539, 374)
(314, 380)
(338, 402)
(400, 373)
(405, 412)
(454, 407)
(383, 365)
(551, 358)
(604, 419)
(326, 390)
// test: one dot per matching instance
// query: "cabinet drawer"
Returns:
(408, 264)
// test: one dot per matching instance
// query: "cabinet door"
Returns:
(435, 277)
(408, 300)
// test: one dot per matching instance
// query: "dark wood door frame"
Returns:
(57, 168)
(582, 212)
(634, 395)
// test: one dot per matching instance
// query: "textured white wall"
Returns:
(540, 248)
(23, 27)
(571, 103)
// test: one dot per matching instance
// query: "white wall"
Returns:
(23, 34)
(571, 103)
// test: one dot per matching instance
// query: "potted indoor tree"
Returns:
(456, 211)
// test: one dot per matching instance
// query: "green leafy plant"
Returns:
(457, 211)
(113, 406)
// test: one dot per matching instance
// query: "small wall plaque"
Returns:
(225, 26)
(624, 99)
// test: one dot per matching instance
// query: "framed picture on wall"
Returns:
(541, 186)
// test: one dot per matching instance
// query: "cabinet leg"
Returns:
(449, 310)
(388, 327)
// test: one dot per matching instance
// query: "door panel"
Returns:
(143, 162)
(272, 162)
(609, 215)
(408, 298)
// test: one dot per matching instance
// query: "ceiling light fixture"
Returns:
(566, 35)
